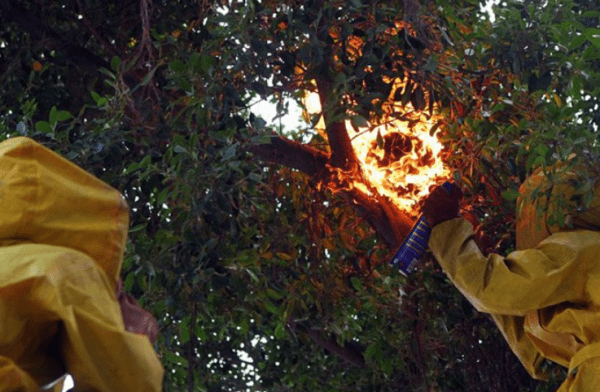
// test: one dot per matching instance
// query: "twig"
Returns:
(92, 30)
(12, 65)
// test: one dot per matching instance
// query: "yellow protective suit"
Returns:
(545, 296)
(62, 238)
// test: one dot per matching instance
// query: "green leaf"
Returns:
(128, 283)
(172, 358)
(162, 196)
(279, 331)
(577, 41)
(340, 78)
(356, 283)
(186, 85)
(255, 177)
(201, 333)
(542, 149)
(115, 62)
(137, 228)
(230, 152)
(207, 63)
(587, 198)
(386, 365)
(381, 28)
(510, 194)
(148, 77)
(592, 52)
(592, 32)
(595, 40)
(53, 116)
(178, 139)
(359, 121)
(132, 167)
(43, 126)
(262, 139)
(184, 333)
(95, 96)
(260, 88)
(107, 73)
(64, 115)
(371, 350)
(271, 307)
(273, 294)
(590, 14)
(194, 62)
(379, 139)
(177, 66)
(539, 161)
(252, 275)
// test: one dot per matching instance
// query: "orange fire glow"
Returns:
(398, 161)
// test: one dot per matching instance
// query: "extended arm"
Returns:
(553, 272)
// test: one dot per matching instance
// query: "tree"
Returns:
(287, 261)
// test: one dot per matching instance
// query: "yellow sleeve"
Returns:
(71, 299)
(555, 271)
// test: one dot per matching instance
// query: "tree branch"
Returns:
(93, 31)
(37, 29)
(342, 152)
(292, 154)
(348, 352)
(387, 220)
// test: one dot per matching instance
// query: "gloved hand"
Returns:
(136, 319)
(442, 205)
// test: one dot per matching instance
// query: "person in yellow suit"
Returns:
(545, 296)
(62, 310)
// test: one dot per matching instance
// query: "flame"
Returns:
(403, 163)
(399, 160)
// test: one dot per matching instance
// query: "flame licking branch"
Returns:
(403, 163)
(399, 159)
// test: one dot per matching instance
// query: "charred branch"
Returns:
(381, 213)
(292, 154)
(342, 153)
(387, 220)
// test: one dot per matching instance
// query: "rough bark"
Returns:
(342, 153)
(292, 154)
(387, 220)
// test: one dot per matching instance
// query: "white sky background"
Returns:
(289, 122)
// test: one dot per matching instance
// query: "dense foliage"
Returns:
(266, 276)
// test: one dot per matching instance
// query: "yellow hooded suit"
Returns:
(545, 296)
(62, 238)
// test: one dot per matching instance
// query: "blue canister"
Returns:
(415, 243)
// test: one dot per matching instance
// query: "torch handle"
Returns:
(415, 243)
